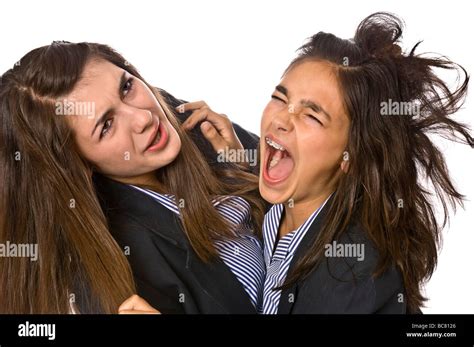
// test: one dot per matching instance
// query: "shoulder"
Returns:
(360, 259)
(344, 282)
(135, 216)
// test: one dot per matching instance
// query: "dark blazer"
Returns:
(167, 271)
(343, 285)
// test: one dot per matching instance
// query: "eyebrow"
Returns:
(306, 103)
(106, 114)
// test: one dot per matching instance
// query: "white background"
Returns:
(232, 53)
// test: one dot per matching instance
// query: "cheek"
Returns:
(175, 140)
(114, 155)
(319, 155)
(104, 158)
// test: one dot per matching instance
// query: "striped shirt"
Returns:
(244, 254)
(278, 262)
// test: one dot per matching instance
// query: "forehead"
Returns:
(309, 77)
(316, 81)
(98, 79)
(97, 90)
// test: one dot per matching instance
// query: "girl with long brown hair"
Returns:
(87, 150)
(345, 157)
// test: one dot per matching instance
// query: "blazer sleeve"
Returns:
(156, 281)
(382, 294)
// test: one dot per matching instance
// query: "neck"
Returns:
(296, 213)
(149, 179)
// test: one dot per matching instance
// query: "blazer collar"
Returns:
(289, 295)
(142, 208)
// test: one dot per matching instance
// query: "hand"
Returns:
(216, 128)
(136, 305)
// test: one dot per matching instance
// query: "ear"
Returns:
(345, 162)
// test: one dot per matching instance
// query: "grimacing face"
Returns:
(129, 136)
(304, 131)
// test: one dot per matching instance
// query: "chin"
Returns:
(274, 196)
(170, 155)
(166, 157)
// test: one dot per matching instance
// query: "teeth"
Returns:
(273, 162)
(274, 144)
(276, 159)
(157, 138)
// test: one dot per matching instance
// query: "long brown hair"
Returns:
(390, 155)
(48, 197)
(193, 181)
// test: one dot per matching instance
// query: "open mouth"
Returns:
(278, 163)
(160, 139)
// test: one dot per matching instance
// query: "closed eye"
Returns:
(313, 118)
(277, 98)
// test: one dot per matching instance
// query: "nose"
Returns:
(141, 120)
(282, 121)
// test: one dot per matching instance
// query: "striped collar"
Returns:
(271, 225)
(235, 208)
(278, 262)
(242, 254)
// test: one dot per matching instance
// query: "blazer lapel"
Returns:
(290, 294)
(146, 211)
(220, 284)
(215, 279)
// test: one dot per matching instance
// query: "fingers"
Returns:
(190, 106)
(213, 136)
(220, 121)
(197, 116)
(137, 305)
(129, 303)
(216, 128)
(137, 312)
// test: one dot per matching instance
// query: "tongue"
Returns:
(282, 169)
